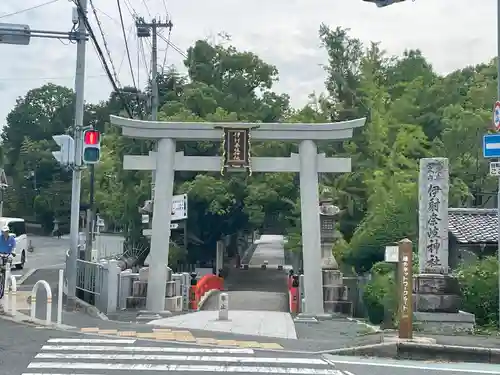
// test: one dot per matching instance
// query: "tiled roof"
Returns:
(473, 225)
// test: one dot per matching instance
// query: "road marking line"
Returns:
(227, 343)
(91, 341)
(348, 372)
(180, 368)
(90, 329)
(248, 344)
(206, 341)
(109, 331)
(130, 357)
(415, 367)
(270, 345)
(153, 349)
(127, 333)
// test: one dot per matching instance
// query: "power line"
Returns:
(48, 78)
(126, 44)
(102, 58)
(108, 52)
(28, 9)
(176, 49)
(166, 51)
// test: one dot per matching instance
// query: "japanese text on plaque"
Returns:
(406, 286)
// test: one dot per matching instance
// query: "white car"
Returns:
(17, 227)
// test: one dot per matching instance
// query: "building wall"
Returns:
(468, 253)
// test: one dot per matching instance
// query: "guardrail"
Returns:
(203, 286)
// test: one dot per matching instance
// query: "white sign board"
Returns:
(179, 207)
(145, 219)
(392, 254)
(495, 168)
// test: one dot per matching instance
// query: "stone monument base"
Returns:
(435, 293)
(444, 323)
(338, 307)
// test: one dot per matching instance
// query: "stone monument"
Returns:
(334, 291)
(436, 293)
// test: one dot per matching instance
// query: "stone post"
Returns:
(435, 290)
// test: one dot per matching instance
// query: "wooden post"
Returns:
(405, 286)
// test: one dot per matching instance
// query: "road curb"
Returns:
(421, 352)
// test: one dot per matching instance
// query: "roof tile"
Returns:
(473, 225)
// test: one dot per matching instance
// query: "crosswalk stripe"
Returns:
(128, 357)
(180, 368)
(89, 356)
(108, 348)
(91, 341)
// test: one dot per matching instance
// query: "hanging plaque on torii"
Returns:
(236, 149)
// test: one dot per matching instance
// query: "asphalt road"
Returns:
(383, 366)
(29, 350)
(50, 252)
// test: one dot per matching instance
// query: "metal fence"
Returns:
(89, 281)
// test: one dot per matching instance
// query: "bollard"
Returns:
(10, 291)
(223, 306)
(60, 296)
(193, 303)
(48, 291)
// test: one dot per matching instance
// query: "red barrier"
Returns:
(205, 284)
(293, 295)
(294, 300)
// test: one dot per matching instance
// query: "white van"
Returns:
(17, 226)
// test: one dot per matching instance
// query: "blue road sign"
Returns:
(491, 146)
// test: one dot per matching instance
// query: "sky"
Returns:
(451, 33)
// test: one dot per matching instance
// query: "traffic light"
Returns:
(91, 147)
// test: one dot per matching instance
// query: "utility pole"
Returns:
(145, 30)
(71, 267)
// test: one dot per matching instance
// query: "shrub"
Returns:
(380, 293)
(479, 285)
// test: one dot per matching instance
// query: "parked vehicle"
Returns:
(17, 227)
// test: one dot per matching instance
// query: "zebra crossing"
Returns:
(81, 356)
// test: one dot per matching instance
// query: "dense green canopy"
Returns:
(413, 113)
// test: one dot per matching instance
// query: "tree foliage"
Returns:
(412, 113)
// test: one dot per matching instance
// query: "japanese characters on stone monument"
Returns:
(436, 292)
(433, 216)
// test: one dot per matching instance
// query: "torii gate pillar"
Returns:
(236, 154)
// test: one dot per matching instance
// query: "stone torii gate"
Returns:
(236, 143)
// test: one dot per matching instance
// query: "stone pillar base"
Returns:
(434, 293)
(444, 323)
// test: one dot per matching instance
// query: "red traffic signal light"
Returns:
(91, 137)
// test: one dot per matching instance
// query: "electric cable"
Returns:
(108, 52)
(126, 44)
(28, 9)
(101, 57)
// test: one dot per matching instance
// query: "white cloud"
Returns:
(451, 33)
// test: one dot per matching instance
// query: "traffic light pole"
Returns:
(90, 216)
(71, 266)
